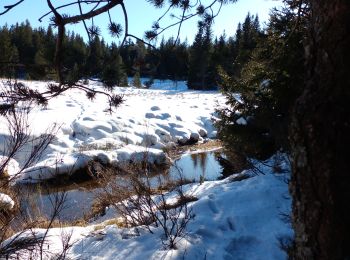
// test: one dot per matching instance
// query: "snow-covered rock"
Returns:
(133, 153)
(195, 136)
(183, 140)
(155, 108)
(202, 132)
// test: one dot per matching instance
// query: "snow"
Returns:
(265, 83)
(241, 121)
(233, 220)
(238, 97)
(149, 119)
(6, 202)
(11, 167)
(136, 153)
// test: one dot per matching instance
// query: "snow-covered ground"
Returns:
(6, 202)
(233, 220)
(149, 121)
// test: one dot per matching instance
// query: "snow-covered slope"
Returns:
(147, 122)
(233, 220)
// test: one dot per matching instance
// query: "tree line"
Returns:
(28, 53)
(292, 77)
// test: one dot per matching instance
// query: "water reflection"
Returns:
(38, 201)
(193, 167)
(198, 166)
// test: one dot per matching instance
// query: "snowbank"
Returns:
(233, 220)
(11, 168)
(149, 118)
(6, 202)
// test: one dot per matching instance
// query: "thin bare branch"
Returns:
(9, 7)
(84, 22)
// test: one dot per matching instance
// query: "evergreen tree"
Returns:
(23, 40)
(173, 62)
(247, 37)
(5, 44)
(128, 55)
(268, 83)
(37, 69)
(136, 81)
(113, 73)
(139, 57)
(152, 59)
(6, 53)
(221, 57)
(94, 63)
(182, 60)
(75, 57)
(199, 75)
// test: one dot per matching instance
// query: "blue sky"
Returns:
(141, 16)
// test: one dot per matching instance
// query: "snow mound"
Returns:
(6, 203)
(149, 119)
(12, 166)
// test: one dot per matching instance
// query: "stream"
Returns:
(38, 201)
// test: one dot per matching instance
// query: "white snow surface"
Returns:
(11, 168)
(6, 202)
(241, 121)
(148, 121)
(233, 220)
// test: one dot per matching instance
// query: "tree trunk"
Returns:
(320, 138)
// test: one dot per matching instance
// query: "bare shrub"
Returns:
(144, 200)
(66, 240)
(20, 143)
(20, 239)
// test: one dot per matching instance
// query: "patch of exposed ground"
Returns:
(208, 145)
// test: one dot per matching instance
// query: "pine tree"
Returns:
(95, 58)
(128, 54)
(5, 50)
(9, 57)
(269, 83)
(173, 59)
(113, 72)
(136, 81)
(199, 75)
(23, 40)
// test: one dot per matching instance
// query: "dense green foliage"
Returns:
(200, 75)
(29, 53)
(268, 74)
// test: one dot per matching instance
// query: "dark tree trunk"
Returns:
(320, 138)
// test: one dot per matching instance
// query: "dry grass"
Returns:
(181, 201)
(105, 147)
(171, 184)
(177, 151)
(119, 222)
